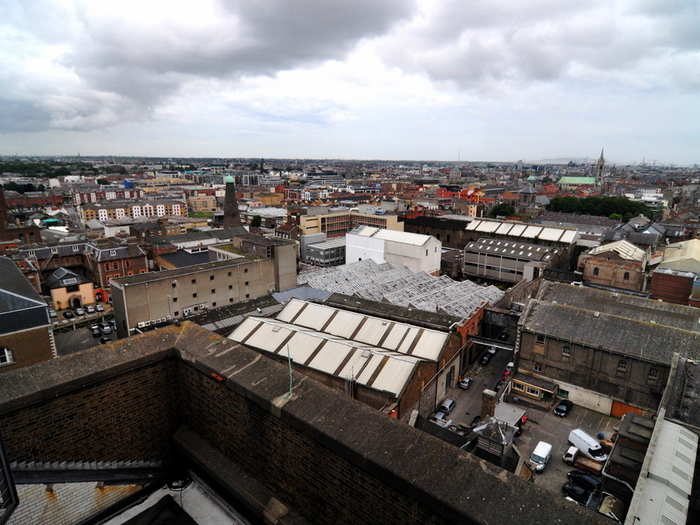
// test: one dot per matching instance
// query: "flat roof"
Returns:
(526, 230)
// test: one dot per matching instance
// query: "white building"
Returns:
(419, 253)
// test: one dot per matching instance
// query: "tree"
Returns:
(503, 210)
(256, 221)
(615, 216)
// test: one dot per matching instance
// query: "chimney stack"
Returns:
(488, 404)
(232, 217)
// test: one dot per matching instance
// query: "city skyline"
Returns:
(369, 80)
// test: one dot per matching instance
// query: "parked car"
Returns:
(107, 330)
(99, 308)
(573, 457)
(104, 340)
(541, 456)
(68, 314)
(576, 492)
(587, 445)
(440, 419)
(90, 309)
(95, 330)
(587, 481)
(80, 312)
(486, 358)
(492, 350)
(104, 325)
(563, 408)
(465, 383)
(52, 314)
(447, 406)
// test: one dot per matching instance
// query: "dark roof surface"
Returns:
(182, 258)
(16, 293)
(62, 277)
(510, 249)
(638, 339)
(392, 311)
(622, 304)
(170, 274)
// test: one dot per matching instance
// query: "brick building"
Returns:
(26, 336)
(184, 397)
(610, 352)
(104, 211)
(339, 223)
(619, 264)
(451, 232)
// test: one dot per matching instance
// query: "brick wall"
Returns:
(127, 417)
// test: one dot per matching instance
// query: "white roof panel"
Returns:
(416, 239)
(551, 234)
(314, 316)
(394, 376)
(301, 346)
(243, 329)
(372, 330)
(355, 364)
(290, 310)
(488, 226)
(517, 230)
(504, 228)
(408, 340)
(268, 337)
(344, 323)
(365, 231)
(568, 236)
(430, 344)
(395, 335)
(472, 225)
(330, 357)
(532, 231)
(371, 367)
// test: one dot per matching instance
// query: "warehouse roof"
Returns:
(376, 331)
(622, 304)
(510, 249)
(370, 366)
(629, 337)
(522, 230)
(682, 256)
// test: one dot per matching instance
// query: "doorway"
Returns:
(75, 302)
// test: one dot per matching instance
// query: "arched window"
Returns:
(626, 277)
(595, 271)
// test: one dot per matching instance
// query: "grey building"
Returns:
(609, 352)
(327, 253)
(507, 261)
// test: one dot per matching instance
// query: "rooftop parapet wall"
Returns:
(329, 458)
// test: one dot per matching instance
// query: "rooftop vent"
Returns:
(596, 314)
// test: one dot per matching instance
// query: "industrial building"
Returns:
(508, 261)
(326, 253)
(417, 252)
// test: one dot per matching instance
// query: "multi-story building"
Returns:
(121, 209)
(419, 253)
(610, 352)
(450, 230)
(97, 193)
(25, 329)
(326, 253)
(202, 203)
(508, 261)
(340, 223)
(677, 278)
(619, 264)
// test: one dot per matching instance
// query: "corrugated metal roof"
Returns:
(366, 329)
(370, 366)
(624, 249)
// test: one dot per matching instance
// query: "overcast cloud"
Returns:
(484, 79)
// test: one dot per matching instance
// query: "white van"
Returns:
(541, 456)
(587, 445)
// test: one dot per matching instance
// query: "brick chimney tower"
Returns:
(232, 218)
(3, 209)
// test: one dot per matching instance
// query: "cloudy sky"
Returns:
(397, 79)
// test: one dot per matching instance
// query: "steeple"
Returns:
(599, 167)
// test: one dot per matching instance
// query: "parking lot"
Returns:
(541, 425)
(71, 341)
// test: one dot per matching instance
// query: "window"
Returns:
(653, 374)
(245, 270)
(533, 391)
(194, 294)
(211, 277)
(566, 351)
(622, 365)
(229, 274)
(426, 253)
(230, 287)
(539, 339)
(213, 304)
(230, 299)
(246, 283)
(595, 271)
(539, 367)
(518, 386)
(177, 313)
(247, 295)
(174, 299)
(6, 357)
(213, 290)
(194, 281)
(174, 284)
(626, 277)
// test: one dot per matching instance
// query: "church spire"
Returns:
(599, 167)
